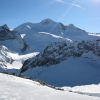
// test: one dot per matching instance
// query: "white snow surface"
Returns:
(70, 72)
(92, 90)
(94, 34)
(19, 59)
(12, 62)
(39, 35)
(38, 41)
(80, 75)
(15, 88)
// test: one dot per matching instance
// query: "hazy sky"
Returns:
(84, 14)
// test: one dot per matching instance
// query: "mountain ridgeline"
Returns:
(48, 50)
(4, 57)
(10, 38)
(58, 51)
(39, 35)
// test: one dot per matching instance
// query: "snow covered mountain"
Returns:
(12, 39)
(39, 35)
(60, 55)
(11, 46)
(59, 51)
(57, 57)
(60, 45)
(50, 26)
(12, 62)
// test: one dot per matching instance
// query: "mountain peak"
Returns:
(5, 26)
(71, 25)
(47, 21)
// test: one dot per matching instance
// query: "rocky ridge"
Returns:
(6, 34)
(58, 51)
(4, 57)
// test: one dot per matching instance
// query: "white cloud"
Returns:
(61, 1)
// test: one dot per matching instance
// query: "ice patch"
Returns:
(28, 26)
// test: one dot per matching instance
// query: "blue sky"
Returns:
(84, 14)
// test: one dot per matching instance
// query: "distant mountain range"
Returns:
(39, 35)
(67, 55)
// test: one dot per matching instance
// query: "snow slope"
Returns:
(12, 48)
(91, 90)
(38, 41)
(70, 72)
(15, 88)
(19, 59)
(39, 35)
(75, 64)
(12, 62)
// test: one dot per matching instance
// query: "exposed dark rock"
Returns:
(59, 51)
(6, 34)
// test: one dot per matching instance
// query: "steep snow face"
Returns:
(19, 59)
(11, 88)
(38, 41)
(49, 26)
(12, 39)
(25, 27)
(39, 35)
(70, 72)
(5, 59)
(12, 62)
(44, 26)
